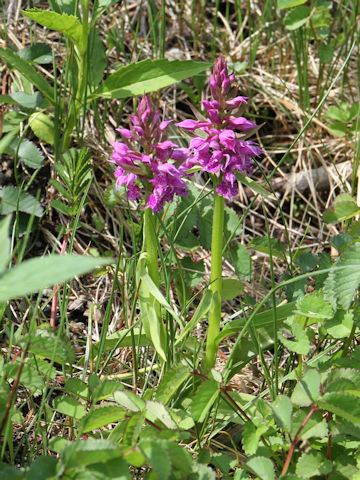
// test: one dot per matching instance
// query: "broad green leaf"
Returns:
(101, 416)
(69, 25)
(46, 343)
(57, 444)
(43, 127)
(113, 469)
(340, 325)
(313, 464)
(300, 343)
(87, 452)
(4, 242)
(326, 53)
(77, 387)
(12, 199)
(282, 411)
(106, 389)
(223, 462)
(342, 284)
(69, 406)
(202, 472)
(297, 17)
(158, 411)
(153, 325)
(41, 272)
(251, 437)
(171, 381)
(314, 427)
(314, 307)
(344, 208)
(204, 399)
(262, 467)
(43, 468)
(38, 53)
(29, 72)
(26, 151)
(180, 458)
(157, 457)
(343, 404)
(265, 245)
(132, 429)
(241, 261)
(289, 3)
(147, 76)
(231, 288)
(23, 99)
(129, 400)
(307, 390)
(29, 376)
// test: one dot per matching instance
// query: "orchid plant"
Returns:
(219, 146)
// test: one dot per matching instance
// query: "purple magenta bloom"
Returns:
(221, 150)
(146, 158)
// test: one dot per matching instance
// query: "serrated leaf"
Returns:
(88, 452)
(300, 343)
(29, 72)
(314, 307)
(231, 288)
(4, 242)
(241, 261)
(171, 381)
(27, 152)
(159, 412)
(129, 400)
(262, 467)
(313, 427)
(307, 390)
(313, 464)
(69, 25)
(343, 404)
(157, 457)
(251, 437)
(106, 389)
(101, 416)
(114, 469)
(77, 387)
(43, 468)
(340, 325)
(46, 343)
(204, 399)
(12, 199)
(43, 127)
(147, 76)
(23, 99)
(282, 411)
(69, 406)
(42, 272)
(341, 284)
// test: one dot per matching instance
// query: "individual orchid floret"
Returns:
(146, 158)
(221, 149)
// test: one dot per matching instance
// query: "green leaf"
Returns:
(42, 272)
(171, 381)
(106, 389)
(315, 427)
(289, 3)
(69, 25)
(46, 343)
(101, 416)
(262, 467)
(223, 462)
(265, 244)
(23, 99)
(29, 72)
(4, 242)
(62, 207)
(343, 404)
(77, 387)
(129, 400)
(326, 53)
(241, 261)
(231, 288)
(26, 151)
(180, 458)
(43, 468)
(29, 377)
(297, 17)
(38, 53)
(158, 411)
(87, 452)
(204, 399)
(282, 411)
(253, 185)
(200, 313)
(114, 469)
(313, 464)
(314, 307)
(340, 325)
(307, 390)
(12, 199)
(301, 343)
(251, 437)
(342, 284)
(157, 457)
(69, 406)
(344, 208)
(147, 76)
(42, 126)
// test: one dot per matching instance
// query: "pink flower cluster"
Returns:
(144, 157)
(220, 150)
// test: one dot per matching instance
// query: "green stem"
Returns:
(150, 246)
(215, 279)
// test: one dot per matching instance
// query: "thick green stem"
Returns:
(150, 246)
(216, 282)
